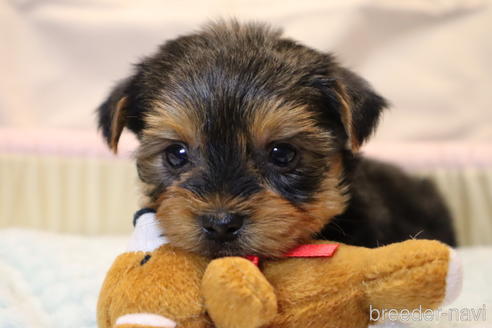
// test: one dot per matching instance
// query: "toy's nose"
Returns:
(221, 228)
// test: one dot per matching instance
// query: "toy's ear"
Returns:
(113, 114)
(360, 107)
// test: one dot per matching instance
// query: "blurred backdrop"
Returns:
(58, 60)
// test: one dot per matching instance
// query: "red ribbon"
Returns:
(308, 250)
(253, 258)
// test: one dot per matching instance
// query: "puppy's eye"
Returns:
(282, 154)
(176, 155)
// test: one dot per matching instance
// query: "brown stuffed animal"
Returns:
(157, 285)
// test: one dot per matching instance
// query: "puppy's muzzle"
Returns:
(221, 228)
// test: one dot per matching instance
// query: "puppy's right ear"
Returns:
(113, 114)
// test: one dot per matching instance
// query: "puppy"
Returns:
(248, 146)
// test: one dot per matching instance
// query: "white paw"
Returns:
(454, 278)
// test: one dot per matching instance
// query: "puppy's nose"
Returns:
(221, 228)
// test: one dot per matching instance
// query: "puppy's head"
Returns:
(241, 137)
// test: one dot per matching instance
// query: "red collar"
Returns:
(307, 250)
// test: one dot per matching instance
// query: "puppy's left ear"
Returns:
(360, 109)
(112, 114)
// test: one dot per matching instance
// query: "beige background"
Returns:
(58, 59)
(431, 59)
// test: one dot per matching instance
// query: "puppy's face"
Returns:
(241, 138)
(257, 180)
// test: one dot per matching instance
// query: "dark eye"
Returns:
(282, 154)
(176, 155)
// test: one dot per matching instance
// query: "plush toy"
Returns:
(157, 285)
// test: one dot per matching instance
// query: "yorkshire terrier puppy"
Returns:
(248, 146)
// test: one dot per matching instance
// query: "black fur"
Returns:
(222, 74)
(387, 205)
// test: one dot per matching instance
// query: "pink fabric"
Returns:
(429, 155)
(90, 144)
(62, 143)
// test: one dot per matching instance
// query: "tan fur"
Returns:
(172, 122)
(275, 121)
(118, 123)
(346, 117)
(177, 212)
(333, 197)
(276, 224)
(166, 124)
(278, 122)
(317, 292)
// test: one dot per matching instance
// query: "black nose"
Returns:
(222, 228)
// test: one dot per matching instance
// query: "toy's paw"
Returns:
(144, 320)
(237, 294)
(454, 278)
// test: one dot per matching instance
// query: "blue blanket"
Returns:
(49, 280)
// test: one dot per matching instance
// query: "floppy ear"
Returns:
(113, 114)
(361, 107)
